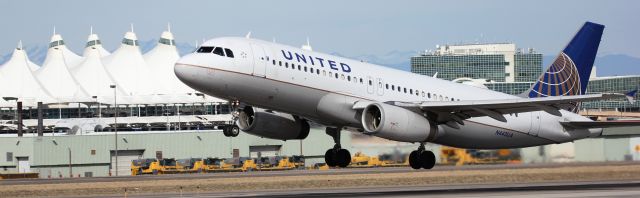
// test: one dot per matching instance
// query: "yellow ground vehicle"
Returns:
(457, 156)
(145, 166)
(214, 164)
(362, 160)
(168, 166)
(189, 165)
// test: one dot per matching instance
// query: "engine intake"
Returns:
(396, 123)
(271, 124)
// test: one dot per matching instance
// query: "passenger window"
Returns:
(349, 78)
(386, 86)
(311, 69)
(305, 69)
(423, 94)
(428, 95)
(342, 76)
(286, 64)
(411, 91)
(399, 89)
(280, 63)
(299, 67)
(324, 73)
(393, 87)
(370, 82)
(218, 51)
(405, 90)
(318, 71)
(205, 49)
(361, 81)
(228, 52)
(453, 99)
(336, 75)
(274, 62)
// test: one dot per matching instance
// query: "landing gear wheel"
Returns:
(343, 158)
(330, 158)
(414, 160)
(230, 131)
(428, 159)
(235, 131)
(225, 131)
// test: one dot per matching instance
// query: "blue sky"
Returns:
(347, 27)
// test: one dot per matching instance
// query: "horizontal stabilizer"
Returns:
(600, 124)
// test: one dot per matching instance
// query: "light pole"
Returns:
(115, 120)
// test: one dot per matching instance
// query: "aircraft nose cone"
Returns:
(184, 69)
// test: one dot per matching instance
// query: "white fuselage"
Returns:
(294, 81)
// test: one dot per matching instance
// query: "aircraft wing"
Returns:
(444, 112)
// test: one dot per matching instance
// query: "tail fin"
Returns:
(570, 71)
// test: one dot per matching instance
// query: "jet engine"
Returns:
(396, 123)
(271, 124)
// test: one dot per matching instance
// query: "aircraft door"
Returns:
(259, 60)
(370, 85)
(380, 86)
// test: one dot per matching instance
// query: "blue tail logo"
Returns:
(569, 73)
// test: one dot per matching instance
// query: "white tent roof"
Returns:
(161, 60)
(94, 44)
(128, 68)
(91, 73)
(18, 81)
(55, 76)
(71, 59)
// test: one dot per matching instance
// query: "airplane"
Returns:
(281, 89)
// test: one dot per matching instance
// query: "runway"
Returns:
(536, 190)
(619, 179)
(337, 171)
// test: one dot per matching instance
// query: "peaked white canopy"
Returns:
(91, 73)
(94, 44)
(161, 60)
(19, 82)
(56, 78)
(71, 59)
(128, 68)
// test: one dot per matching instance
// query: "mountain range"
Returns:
(607, 65)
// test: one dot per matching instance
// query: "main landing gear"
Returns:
(336, 156)
(421, 158)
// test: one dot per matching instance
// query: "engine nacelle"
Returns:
(396, 123)
(271, 124)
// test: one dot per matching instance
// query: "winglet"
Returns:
(631, 95)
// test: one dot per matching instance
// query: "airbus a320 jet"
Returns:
(282, 88)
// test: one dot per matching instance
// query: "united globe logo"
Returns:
(561, 79)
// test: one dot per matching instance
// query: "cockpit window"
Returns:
(205, 50)
(218, 51)
(229, 53)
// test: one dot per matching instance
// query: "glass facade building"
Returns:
(527, 67)
(501, 62)
(450, 67)
(614, 84)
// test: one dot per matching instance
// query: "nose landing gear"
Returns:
(336, 156)
(422, 158)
